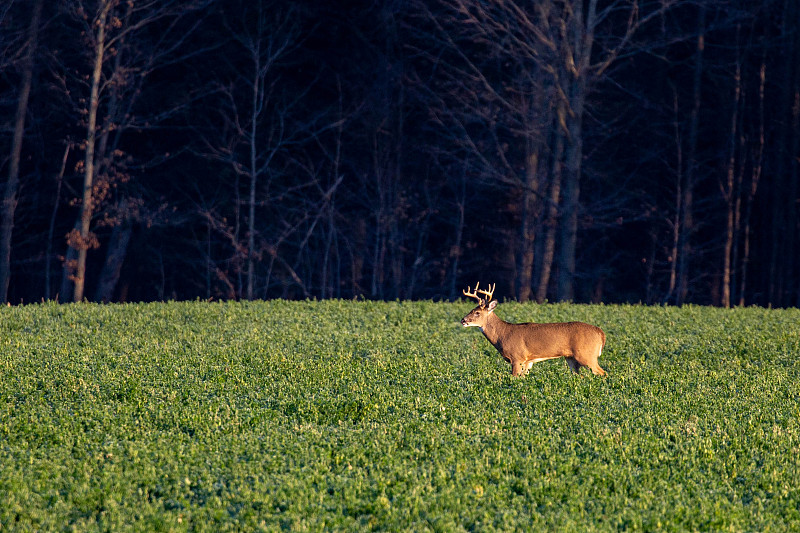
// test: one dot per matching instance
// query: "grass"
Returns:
(338, 415)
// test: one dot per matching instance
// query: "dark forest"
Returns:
(568, 150)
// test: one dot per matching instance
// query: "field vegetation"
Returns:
(361, 415)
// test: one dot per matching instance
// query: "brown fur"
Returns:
(524, 344)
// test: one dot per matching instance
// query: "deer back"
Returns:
(541, 341)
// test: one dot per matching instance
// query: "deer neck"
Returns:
(494, 329)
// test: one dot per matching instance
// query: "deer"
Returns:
(524, 344)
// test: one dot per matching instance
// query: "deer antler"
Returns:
(474, 294)
(487, 293)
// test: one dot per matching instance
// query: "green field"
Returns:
(340, 415)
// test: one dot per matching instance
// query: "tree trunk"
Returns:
(687, 201)
(83, 243)
(456, 249)
(754, 179)
(530, 194)
(730, 193)
(115, 257)
(677, 218)
(792, 282)
(568, 233)
(251, 201)
(52, 225)
(578, 61)
(68, 268)
(782, 196)
(551, 219)
(12, 185)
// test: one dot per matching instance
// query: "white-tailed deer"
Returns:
(524, 344)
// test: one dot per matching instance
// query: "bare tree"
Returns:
(550, 223)
(121, 54)
(757, 158)
(264, 46)
(591, 39)
(782, 287)
(686, 225)
(491, 100)
(257, 127)
(730, 187)
(12, 184)
(524, 73)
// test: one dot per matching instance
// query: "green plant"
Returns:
(341, 415)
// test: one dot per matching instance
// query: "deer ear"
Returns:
(492, 305)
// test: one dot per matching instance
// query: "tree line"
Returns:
(573, 150)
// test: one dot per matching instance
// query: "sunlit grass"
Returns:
(339, 415)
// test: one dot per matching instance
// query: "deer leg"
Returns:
(574, 365)
(517, 369)
(597, 371)
(590, 362)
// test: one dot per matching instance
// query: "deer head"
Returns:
(478, 316)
